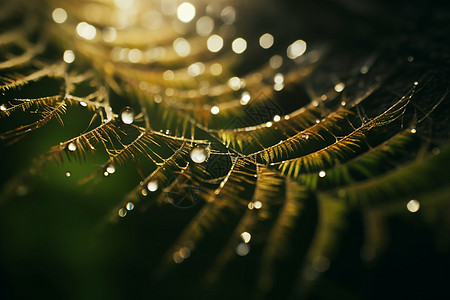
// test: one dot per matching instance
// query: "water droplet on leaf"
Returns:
(199, 155)
(110, 169)
(152, 185)
(127, 115)
(122, 212)
(130, 206)
(72, 146)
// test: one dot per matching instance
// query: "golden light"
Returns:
(182, 47)
(109, 34)
(185, 12)
(245, 98)
(215, 110)
(239, 45)
(69, 56)
(214, 43)
(235, 83)
(215, 69)
(246, 237)
(204, 26)
(266, 41)
(152, 185)
(59, 15)
(124, 4)
(296, 49)
(86, 31)
(275, 61)
(339, 87)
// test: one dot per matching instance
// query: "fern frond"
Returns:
(332, 220)
(160, 176)
(277, 245)
(83, 143)
(15, 81)
(269, 186)
(228, 198)
(48, 114)
(364, 165)
(343, 149)
(24, 58)
(418, 176)
(26, 104)
(289, 124)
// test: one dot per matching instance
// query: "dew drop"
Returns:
(3, 107)
(68, 174)
(110, 169)
(130, 206)
(72, 147)
(122, 212)
(257, 204)
(199, 155)
(322, 174)
(152, 185)
(215, 110)
(413, 206)
(127, 115)
(246, 237)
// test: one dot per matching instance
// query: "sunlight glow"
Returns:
(69, 56)
(86, 31)
(296, 49)
(239, 45)
(59, 15)
(186, 12)
(266, 41)
(214, 43)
